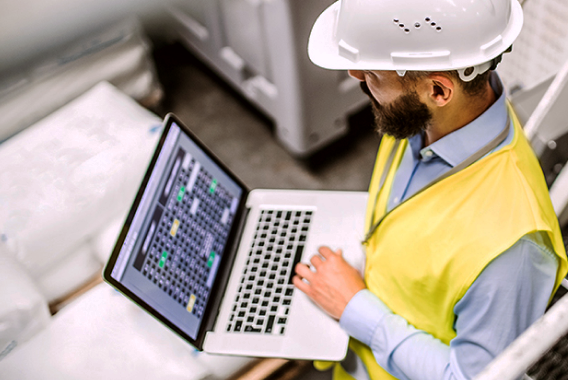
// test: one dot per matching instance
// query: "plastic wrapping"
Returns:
(119, 54)
(23, 310)
(63, 179)
(104, 241)
(69, 273)
(102, 335)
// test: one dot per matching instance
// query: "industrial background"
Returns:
(83, 89)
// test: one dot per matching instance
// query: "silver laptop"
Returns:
(214, 261)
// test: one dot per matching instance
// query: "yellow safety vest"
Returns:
(426, 253)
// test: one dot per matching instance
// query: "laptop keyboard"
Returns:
(263, 301)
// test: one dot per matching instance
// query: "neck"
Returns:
(457, 114)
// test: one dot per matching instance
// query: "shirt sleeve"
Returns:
(508, 296)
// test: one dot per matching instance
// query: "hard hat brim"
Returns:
(323, 47)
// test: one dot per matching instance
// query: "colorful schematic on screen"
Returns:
(183, 236)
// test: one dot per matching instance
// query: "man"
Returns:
(463, 246)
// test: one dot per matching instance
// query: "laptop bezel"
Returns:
(211, 311)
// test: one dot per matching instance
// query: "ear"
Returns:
(441, 89)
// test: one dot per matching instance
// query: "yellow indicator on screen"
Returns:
(191, 303)
(175, 227)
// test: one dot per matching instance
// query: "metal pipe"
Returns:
(530, 346)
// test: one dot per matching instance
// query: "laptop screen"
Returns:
(175, 239)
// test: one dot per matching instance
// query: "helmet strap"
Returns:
(475, 71)
(480, 69)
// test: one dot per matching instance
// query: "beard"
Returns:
(404, 117)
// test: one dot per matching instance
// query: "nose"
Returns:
(357, 74)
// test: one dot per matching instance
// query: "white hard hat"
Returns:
(421, 35)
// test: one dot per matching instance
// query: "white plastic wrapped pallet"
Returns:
(23, 310)
(64, 179)
(102, 335)
(118, 53)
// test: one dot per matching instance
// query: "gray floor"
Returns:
(243, 138)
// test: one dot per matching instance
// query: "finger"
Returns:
(316, 261)
(298, 283)
(326, 252)
(303, 271)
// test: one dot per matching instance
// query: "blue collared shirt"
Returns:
(507, 297)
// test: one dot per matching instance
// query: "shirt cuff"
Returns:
(362, 315)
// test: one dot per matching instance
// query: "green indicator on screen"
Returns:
(181, 193)
(213, 186)
(163, 259)
(211, 259)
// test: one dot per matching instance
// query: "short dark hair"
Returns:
(473, 88)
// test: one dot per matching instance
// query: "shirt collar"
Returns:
(462, 143)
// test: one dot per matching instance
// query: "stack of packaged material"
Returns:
(102, 335)
(119, 53)
(23, 309)
(66, 184)
(68, 178)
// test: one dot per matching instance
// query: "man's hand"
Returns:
(333, 283)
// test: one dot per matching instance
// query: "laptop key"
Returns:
(249, 328)
(269, 323)
(297, 258)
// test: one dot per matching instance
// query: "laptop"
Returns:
(214, 261)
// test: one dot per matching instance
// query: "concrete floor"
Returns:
(243, 138)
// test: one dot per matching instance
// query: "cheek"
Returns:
(384, 96)
(386, 92)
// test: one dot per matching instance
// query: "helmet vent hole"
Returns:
(417, 25)
(439, 28)
(433, 23)
(396, 21)
(406, 30)
(401, 25)
(427, 19)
